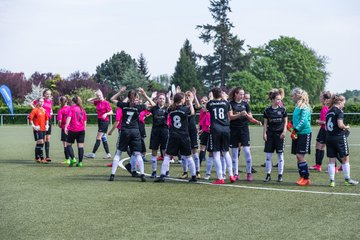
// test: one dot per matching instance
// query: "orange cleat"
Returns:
(304, 182)
(300, 180)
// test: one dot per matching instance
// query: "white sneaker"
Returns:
(207, 177)
(89, 155)
(107, 156)
(172, 161)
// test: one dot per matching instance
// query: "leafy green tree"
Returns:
(301, 65)
(120, 70)
(227, 56)
(250, 83)
(187, 73)
(142, 66)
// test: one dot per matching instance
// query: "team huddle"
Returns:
(223, 131)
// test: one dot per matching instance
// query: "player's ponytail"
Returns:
(63, 101)
(302, 98)
(336, 99)
(77, 100)
(177, 101)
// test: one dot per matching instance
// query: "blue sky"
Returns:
(70, 35)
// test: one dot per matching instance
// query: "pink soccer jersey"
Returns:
(78, 119)
(204, 120)
(118, 117)
(47, 106)
(323, 113)
(102, 107)
(142, 115)
(62, 115)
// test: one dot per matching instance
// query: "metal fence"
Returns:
(24, 118)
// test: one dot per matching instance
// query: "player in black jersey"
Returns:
(159, 130)
(179, 140)
(130, 134)
(240, 115)
(275, 122)
(336, 140)
(219, 139)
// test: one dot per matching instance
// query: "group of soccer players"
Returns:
(223, 125)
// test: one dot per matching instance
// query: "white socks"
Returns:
(280, 163)
(197, 161)
(218, 166)
(268, 163)
(228, 163)
(209, 163)
(139, 160)
(235, 160)
(153, 163)
(116, 161)
(191, 163)
(248, 159)
(331, 171)
(346, 170)
(165, 165)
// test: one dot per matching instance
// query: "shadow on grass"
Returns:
(17, 161)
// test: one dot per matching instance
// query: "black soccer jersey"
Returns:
(179, 119)
(236, 108)
(130, 114)
(192, 120)
(219, 117)
(275, 118)
(159, 116)
(332, 116)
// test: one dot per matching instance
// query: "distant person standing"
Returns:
(75, 129)
(61, 118)
(40, 123)
(103, 110)
(336, 140)
(49, 112)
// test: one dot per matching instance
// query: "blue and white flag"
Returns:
(6, 93)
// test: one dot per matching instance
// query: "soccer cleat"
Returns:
(304, 182)
(207, 177)
(153, 175)
(198, 176)
(48, 159)
(80, 164)
(316, 167)
(160, 158)
(332, 183)
(280, 178)
(219, 181)
(236, 177)
(160, 179)
(43, 161)
(66, 161)
(72, 162)
(232, 179)
(351, 182)
(128, 167)
(134, 174)
(276, 165)
(107, 156)
(193, 179)
(267, 178)
(89, 155)
(38, 160)
(142, 178)
(299, 180)
(253, 170)
(172, 161)
(112, 176)
(109, 165)
(263, 165)
(144, 159)
(167, 174)
(184, 175)
(249, 177)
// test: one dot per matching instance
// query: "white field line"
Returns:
(255, 188)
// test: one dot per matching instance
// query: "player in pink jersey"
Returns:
(61, 118)
(103, 110)
(116, 125)
(321, 137)
(75, 129)
(49, 112)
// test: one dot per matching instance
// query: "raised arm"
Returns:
(115, 97)
(143, 93)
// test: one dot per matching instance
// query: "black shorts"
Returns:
(321, 137)
(130, 138)
(193, 138)
(159, 137)
(63, 136)
(337, 146)
(78, 136)
(48, 132)
(274, 143)
(239, 136)
(178, 143)
(142, 130)
(102, 125)
(301, 145)
(204, 138)
(38, 135)
(219, 141)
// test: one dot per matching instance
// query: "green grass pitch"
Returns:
(53, 201)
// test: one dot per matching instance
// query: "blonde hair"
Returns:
(302, 98)
(336, 99)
